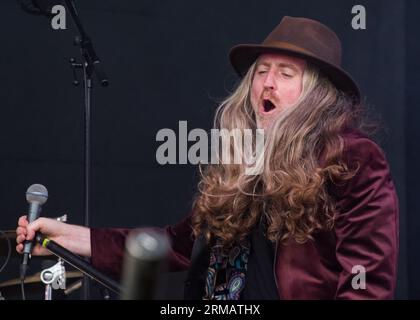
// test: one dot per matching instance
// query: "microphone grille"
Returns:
(37, 193)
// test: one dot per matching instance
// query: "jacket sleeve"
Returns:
(366, 226)
(108, 247)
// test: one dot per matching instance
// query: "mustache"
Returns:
(270, 96)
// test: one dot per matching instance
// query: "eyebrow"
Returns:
(281, 65)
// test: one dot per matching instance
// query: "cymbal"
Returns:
(11, 234)
(4, 248)
(35, 278)
(35, 288)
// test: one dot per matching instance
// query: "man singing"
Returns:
(323, 209)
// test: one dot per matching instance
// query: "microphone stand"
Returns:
(79, 263)
(90, 65)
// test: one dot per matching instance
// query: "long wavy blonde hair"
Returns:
(291, 192)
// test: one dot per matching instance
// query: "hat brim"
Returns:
(244, 55)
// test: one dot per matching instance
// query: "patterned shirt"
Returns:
(226, 272)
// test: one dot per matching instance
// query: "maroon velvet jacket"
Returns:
(365, 234)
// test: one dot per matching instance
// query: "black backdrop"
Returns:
(167, 61)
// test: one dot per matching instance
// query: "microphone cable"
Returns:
(22, 288)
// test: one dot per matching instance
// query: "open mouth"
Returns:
(268, 106)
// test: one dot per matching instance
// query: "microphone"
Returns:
(146, 252)
(36, 195)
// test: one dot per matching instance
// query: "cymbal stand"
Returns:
(55, 276)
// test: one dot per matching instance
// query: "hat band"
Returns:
(287, 45)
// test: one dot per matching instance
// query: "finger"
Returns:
(19, 248)
(31, 234)
(33, 227)
(23, 221)
(20, 238)
(20, 230)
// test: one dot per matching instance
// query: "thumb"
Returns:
(32, 228)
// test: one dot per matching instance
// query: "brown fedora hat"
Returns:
(304, 38)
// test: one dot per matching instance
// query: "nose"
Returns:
(269, 82)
